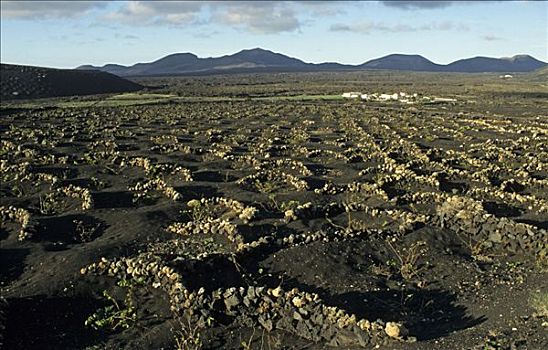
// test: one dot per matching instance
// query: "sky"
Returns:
(68, 34)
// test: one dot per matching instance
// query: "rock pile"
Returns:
(79, 193)
(21, 216)
(301, 313)
(272, 177)
(207, 226)
(468, 216)
(142, 189)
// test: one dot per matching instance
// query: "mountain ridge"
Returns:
(261, 60)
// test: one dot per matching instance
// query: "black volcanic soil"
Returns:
(433, 217)
(27, 82)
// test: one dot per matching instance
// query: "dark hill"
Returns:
(257, 57)
(260, 60)
(519, 63)
(116, 69)
(403, 62)
(27, 82)
(185, 63)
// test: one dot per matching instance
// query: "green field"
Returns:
(135, 99)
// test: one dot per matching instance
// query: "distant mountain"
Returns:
(116, 69)
(257, 57)
(185, 63)
(27, 82)
(260, 60)
(403, 62)
(519, 63)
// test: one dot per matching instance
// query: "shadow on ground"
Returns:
(197, 191)
(12, 264)
(428, 314)
(110, 200)
(70, 229)
(49, 323)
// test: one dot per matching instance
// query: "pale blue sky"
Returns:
(69, 34)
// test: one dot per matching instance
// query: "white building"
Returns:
(385, 97)
(443, 99)
(402, 97)
(351, 94)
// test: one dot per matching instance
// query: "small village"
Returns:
(401, 97)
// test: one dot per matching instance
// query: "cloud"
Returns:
(491, 37)
(31, 10)
(367, 27)
(341, 27)
(261, 17)
(155, 12)
(269, 17)
(256, 17)
(417, 5)
(430, 5)
(325, 8)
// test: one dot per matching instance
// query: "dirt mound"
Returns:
(27, 82)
